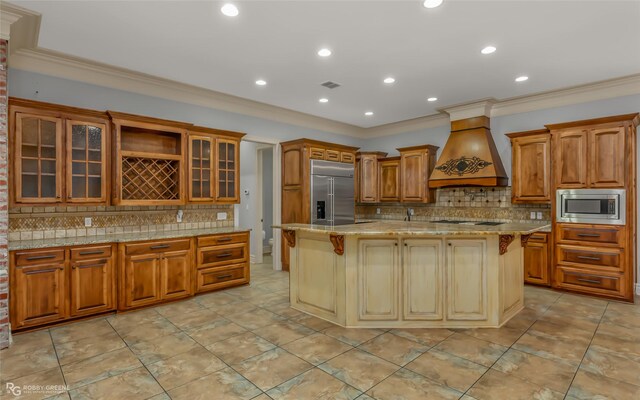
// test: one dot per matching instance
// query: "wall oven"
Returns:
(591, 206)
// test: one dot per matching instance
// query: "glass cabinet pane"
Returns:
(200, 166)
(85, 177)
(37, 164)
(227, 184)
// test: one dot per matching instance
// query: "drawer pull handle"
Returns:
(597, 282)
(595, 235)
(32, 258)
(88, 253)
(227, 239)
(589, 258)
(223, 255)
(90, 265)
(160, 246)
(224, 276)
(43, 270)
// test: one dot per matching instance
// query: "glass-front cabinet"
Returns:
(86, 164)
(228, 171)
(201, 156)
(38, 159)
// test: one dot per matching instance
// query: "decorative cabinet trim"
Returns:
(338, 243)
(505, 241)
(290, 237)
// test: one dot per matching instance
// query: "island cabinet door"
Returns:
(378, 279)
(422, 279)
(466, 279)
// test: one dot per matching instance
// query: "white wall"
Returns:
(267, 194)
(248, 202)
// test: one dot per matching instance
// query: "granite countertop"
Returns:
(418, 228)
(119, 238)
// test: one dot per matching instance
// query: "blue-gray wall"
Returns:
(267, 194)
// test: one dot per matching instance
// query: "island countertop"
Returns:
(417, 228)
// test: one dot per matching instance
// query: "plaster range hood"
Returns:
(470, 157)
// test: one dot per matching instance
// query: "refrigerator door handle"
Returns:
(331, 202)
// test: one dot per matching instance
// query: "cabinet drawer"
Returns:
(538, 237)
(332, 155)
(31, 257)
(85, 253)
(217, 240)
(604, 235)
(316, 153)
(157, 247)
(592, 282)
(214, 278)
(590, 257)
(220, 255)
(347, 157)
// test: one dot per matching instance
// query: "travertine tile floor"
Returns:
(246, 343)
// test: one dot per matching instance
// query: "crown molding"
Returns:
(481, 108)
(23, 23)
(409, 125)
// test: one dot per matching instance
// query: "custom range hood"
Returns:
(470, 157)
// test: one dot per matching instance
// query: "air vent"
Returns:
(330, 85)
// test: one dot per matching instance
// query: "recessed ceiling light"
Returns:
(389, 80)
(324, 52)
(522, 78)
(324, 100)
(229, 10)
(261, 82)
(488, 50)
(432, 99)
(432, 3)
(368, 113)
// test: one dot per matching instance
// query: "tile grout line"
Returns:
(55, 350)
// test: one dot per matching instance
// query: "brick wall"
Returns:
(4, 218)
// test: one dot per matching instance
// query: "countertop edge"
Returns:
(416, 232)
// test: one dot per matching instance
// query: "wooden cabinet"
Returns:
(58, 154)
(93, 286)
(571, 159)
(537, 265)
(389, 179)
(416, 165)
(607, 157)
(200, 168)
(156, 271)
(228, 170)
(422, 279)
(296, 179)
(378, 279)
(367, 173)
(531, 167)
(38, 294)
(466, 270)
(222, 261)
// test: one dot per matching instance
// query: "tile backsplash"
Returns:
(32, 223)
(461, 203)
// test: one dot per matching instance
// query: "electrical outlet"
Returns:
(539, 215)
(88, 221)
(377, 211)
(533, 215)
(222, 216)
(179, 215)
(411, 212)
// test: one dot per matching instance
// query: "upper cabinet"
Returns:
(591, 154)
(367, 176)
(58, 154)
(227, 160)
(416, 164)
(531, 166)
(200, 168)
(389, 179)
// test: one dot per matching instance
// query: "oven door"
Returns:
(591, 206)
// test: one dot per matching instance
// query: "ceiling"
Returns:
(430, 52)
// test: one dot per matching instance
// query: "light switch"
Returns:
(377, 211)
(539, 215)
(533, 215)
(88, 222)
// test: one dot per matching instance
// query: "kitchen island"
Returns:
(408, 274)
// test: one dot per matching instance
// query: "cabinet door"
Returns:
(39, 295)
(92, 286)
(606, 157)
(378, 280)
(466, 279)
(368, 179)
(142, 280)
(389, 180)
(176, 274)
(86, 162)
(536, 263)
(38, 159)
(422, 279)
(228, 181)
(412, 176)
(531, 174)
(571, 159)
(201, 157)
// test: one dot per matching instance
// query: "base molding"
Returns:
(638, 288)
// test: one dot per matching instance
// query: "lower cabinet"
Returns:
(407, 284)
(140, 280)
(536, 260)
(175, 275)
(54, 285)
(222, 261)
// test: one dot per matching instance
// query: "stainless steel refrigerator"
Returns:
(332, 193)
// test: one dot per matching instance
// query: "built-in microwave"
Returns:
(591, 206)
